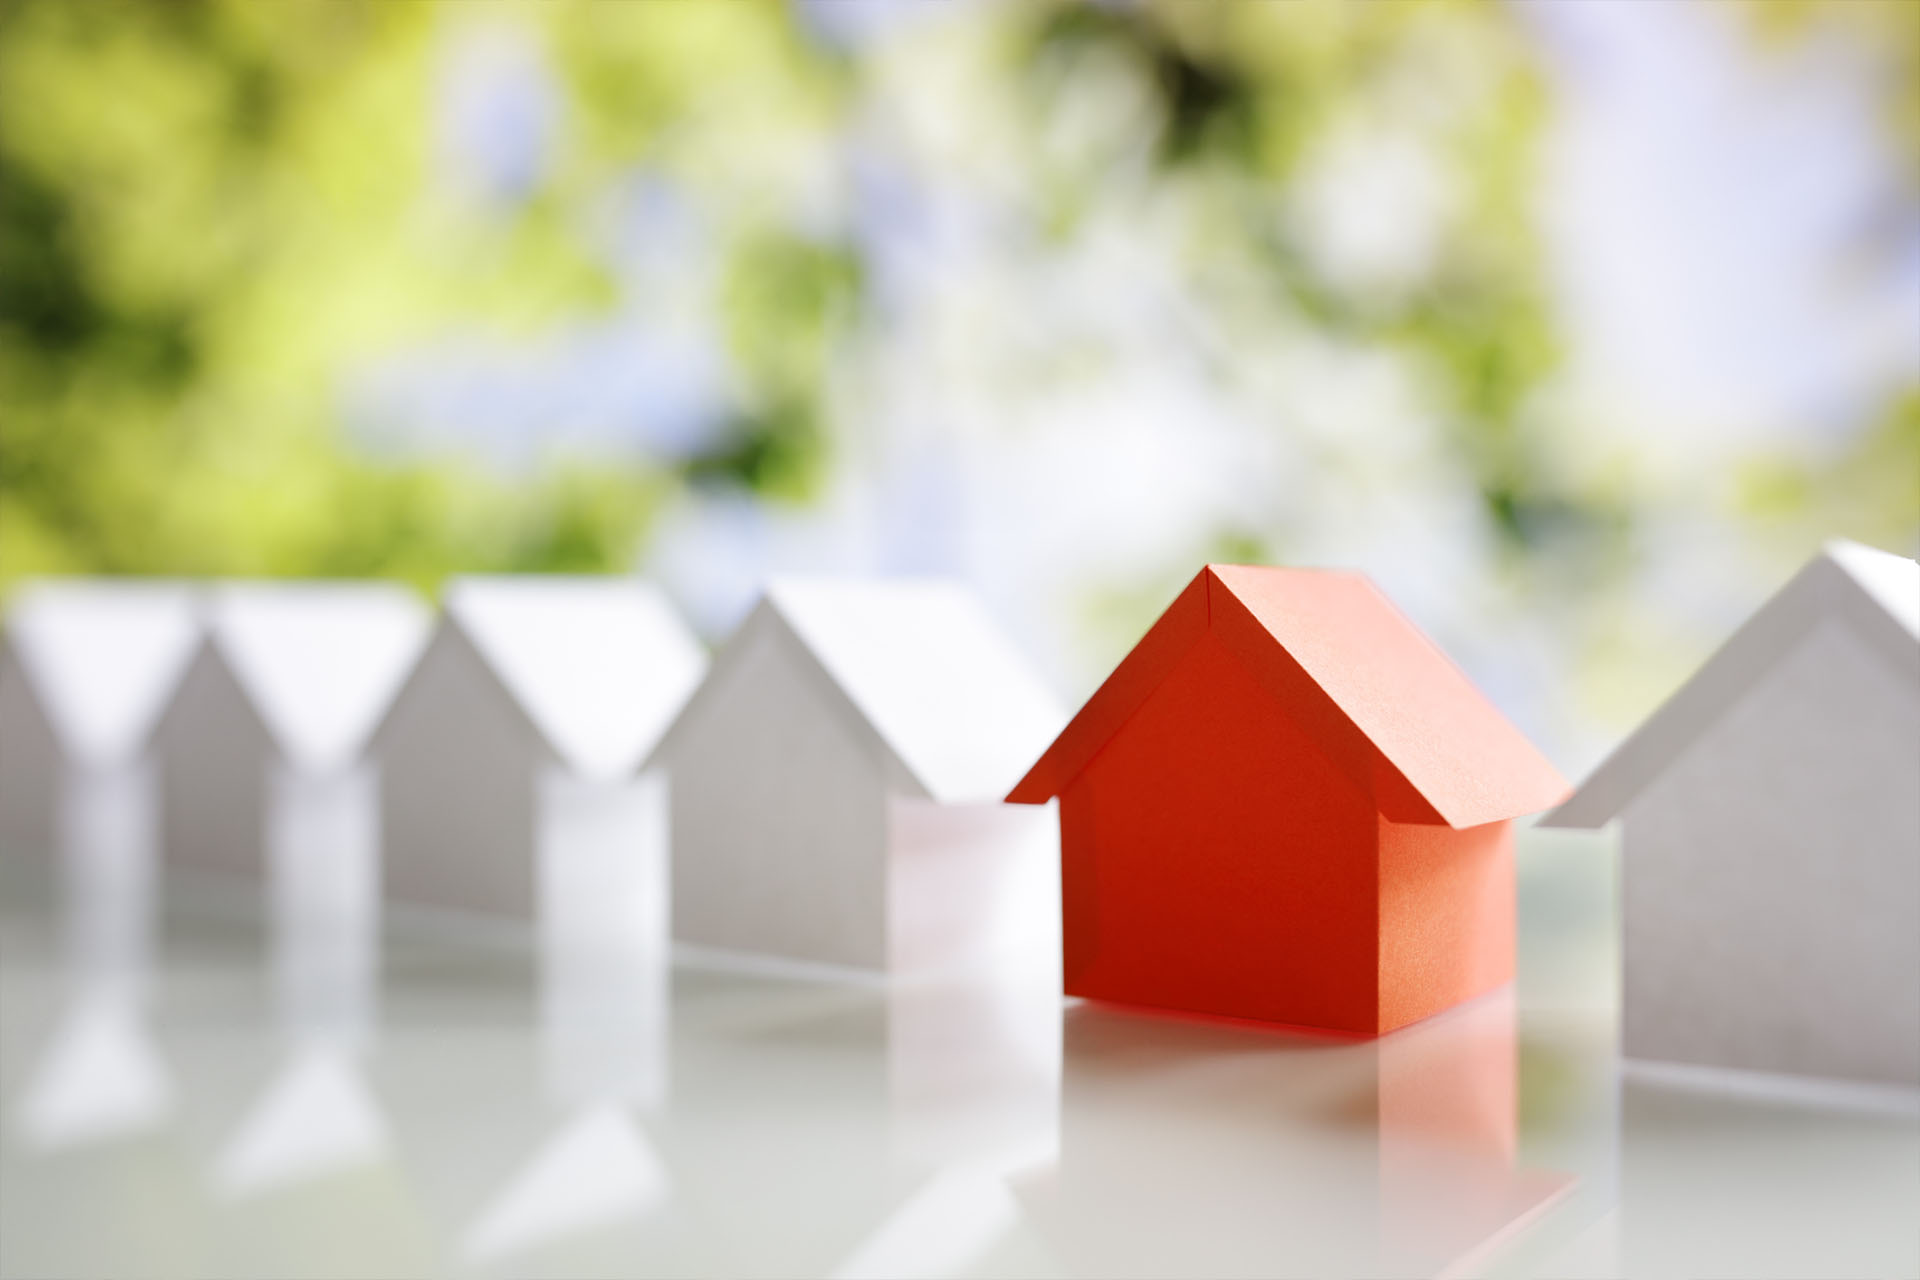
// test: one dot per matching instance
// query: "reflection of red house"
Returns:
(1196, 1149)
(1287, 804)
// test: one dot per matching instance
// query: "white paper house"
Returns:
(836, 782)
(1770, 830)
(87, 668)
(263, 750)
(511, 757)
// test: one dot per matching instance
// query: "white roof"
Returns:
(1875, 593)
(954, 705)
(1890, 580)
(600, 666)
(319, 661)
(103, 657)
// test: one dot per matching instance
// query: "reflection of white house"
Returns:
(973, 1064)
(596, 1170)
(317, 1116)
(87, 668)
(836, 782)
(263, 748)
(510, 756)
(603, 1038)
(101, 1077)
(1770, 816)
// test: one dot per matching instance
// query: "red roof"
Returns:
(1391, 709)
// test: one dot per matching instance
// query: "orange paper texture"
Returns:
(1287, 805)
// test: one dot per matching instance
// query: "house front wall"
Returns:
(779, 819)
(214, 756)
(1771, 878)
(457, 770)
(1215, 861)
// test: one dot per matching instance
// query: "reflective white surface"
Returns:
(486, 1111)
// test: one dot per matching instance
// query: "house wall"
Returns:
(30, 763)
(107, 828)
(1446, 917)
(214, 754)
(972, 884)
(1771, 878)
(457, 789)
(322, 857)
(1215, 860)
(779, 819)
(603, 937)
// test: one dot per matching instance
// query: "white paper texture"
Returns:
(86, 667)
(1771, 879)
(970, 884)
(214, 752)
(796, 770)
(103, 657)
(319, 662)
(457, 765)
(930, 672)
(603, 939)
(523, 676)
(293, 673)
(109, 866)
(323, 855)
(30, 765)
(779, 816)
(600, 665)
(1874, 594)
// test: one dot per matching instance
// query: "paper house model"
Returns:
(85, 672)
(1770, 833)
(1286, 804)
(263, 749)
(511, 754)
(834, 783)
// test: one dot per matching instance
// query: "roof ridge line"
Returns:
(766, 617)
(1760, 643)
(453, 629)
(863, 723)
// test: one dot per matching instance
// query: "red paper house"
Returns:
(1286, 804)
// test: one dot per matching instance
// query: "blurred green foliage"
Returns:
(210, 212)
(214, 212)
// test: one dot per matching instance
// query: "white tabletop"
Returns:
(488, 1114)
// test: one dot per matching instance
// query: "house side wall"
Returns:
(968, 884)
(1771, 878)
(30, 764)
(779, 820)
(322, 858)
(1215, 860)
(457, 789)
(603, 937)
(214, 754)
(602, 864)
(1446, 917)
